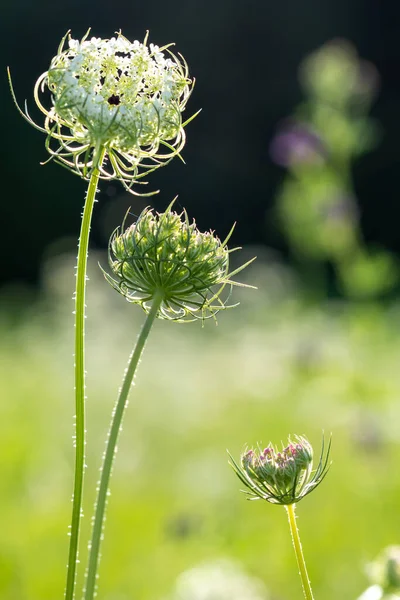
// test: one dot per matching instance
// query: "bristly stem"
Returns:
(79, 366)
(290, 508)
(111, 448)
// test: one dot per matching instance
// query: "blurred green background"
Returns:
(305, 156)
(278, 364)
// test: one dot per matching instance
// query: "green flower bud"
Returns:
(164, 254)
(283, 477)
(113, 95)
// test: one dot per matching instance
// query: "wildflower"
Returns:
(115, 98)
(283, 477)
(297, 143)
(164, 254)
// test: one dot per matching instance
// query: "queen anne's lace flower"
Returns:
(281, 477)
(115, 97)
(164, 254)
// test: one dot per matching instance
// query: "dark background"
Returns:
(244, 56)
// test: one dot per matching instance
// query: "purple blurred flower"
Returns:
(296, 143)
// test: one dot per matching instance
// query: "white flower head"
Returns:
(115, 97)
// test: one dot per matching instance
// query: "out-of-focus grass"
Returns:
(273, 366)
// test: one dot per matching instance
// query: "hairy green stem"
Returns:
(111, 448)
(80, 292)
(290, 508)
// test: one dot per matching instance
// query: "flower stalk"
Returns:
(305, 580)
(111, 449)
(80, 377)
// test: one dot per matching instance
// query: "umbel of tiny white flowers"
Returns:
(281, 477)
(115, 97)
(164, 254)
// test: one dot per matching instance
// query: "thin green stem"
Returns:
(80, 292)
(111, 448)
(290, 508)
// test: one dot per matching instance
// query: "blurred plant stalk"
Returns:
(317, 145)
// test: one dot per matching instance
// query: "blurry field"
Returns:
(275, 365)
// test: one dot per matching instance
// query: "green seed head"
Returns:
(126, 98)
(164, 254)
(281, 477)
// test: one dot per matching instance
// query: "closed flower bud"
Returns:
(165, 255)
(110, 95)
(281, 477)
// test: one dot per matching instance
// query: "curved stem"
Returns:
(111, 448)
(290, 508)
(80, 291)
